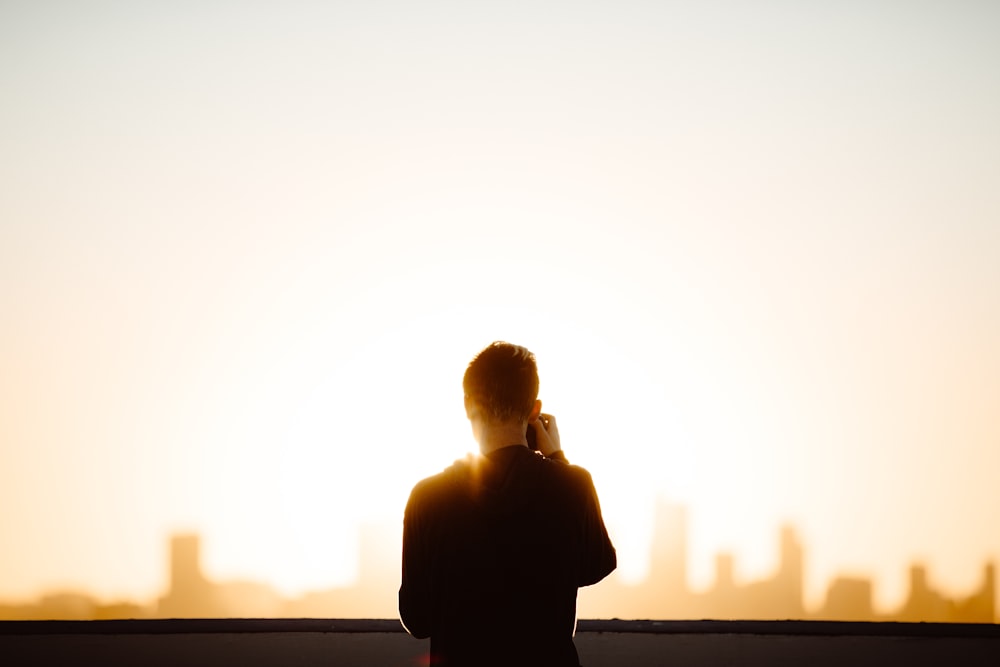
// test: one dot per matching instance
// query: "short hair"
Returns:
(503, 381)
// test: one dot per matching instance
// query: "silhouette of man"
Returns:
(496, 546)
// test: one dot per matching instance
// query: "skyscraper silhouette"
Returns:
(189, 593)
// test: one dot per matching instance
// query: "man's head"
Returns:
(501, 382)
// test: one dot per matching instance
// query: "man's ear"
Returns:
(536, 410)
(469, 405)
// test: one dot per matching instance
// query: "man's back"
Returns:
(494, 551)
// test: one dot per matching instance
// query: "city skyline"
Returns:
(666, 594)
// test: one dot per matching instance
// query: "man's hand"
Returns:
(546, 434)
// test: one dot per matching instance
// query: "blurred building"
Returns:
(191, 595)
(664, 595)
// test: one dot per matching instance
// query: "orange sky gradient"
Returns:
(247, 250)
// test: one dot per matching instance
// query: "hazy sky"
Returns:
(247, 248)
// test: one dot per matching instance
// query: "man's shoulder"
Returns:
(463, 476)
(558, 474)
(446, 481)
(564, 468)
(576, 475)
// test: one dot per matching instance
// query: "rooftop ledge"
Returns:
(265, 642)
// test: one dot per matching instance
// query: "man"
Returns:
(495, 547)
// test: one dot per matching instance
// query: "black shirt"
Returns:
(494, 549)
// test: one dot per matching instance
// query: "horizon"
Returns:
(664, 593)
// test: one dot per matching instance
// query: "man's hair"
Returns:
(503, 381)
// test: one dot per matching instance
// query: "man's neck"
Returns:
(497, 436)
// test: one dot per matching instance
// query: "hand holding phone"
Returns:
(543, 435)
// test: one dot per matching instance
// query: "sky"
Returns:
(248, 248)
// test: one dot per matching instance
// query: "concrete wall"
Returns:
(291, 643)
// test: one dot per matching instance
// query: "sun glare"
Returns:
(390, 412)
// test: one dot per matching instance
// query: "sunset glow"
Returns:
(247, 251)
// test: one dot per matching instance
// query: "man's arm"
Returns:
(598, 557)
(415, 589)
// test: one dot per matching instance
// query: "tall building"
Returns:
(189, 594)
(788, 580)
(980, 607)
